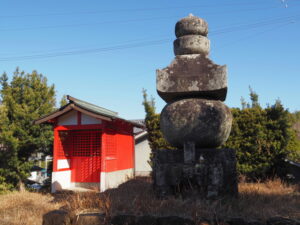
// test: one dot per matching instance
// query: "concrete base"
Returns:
(86, 185)
(211, 175)
(142, 173)
(61, 180)
(115, 178)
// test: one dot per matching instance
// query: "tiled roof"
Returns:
(92, 108)
(87, 108)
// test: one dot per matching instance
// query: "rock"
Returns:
(207, 123)
(205, 222)
(123, 220)
(282, 221)
(255, 222)
(57, 217)
(195, 120)
(174, 220)
(90, 219)
(167, 156)
(191, 25)
(191, 44)
(237, 221)
(146, 220)
(192, 76)
(169, 174)
(213, 173)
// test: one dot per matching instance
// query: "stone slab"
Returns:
(191, 44)
(57, 217)
(192, 76)
(213, 175)
(90, 219)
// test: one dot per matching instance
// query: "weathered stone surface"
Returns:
(255, 222)
(57, 217)
(191, 25)
(192, 76)
(282, 221)
(123, 220)
(237, 221)
(213, 173)
(191, 44)
(169, 174)
(174, 220)
(206, 222)
(194, 120)
(207, 123)
(169, 156)
(90, 219)
(146, 220)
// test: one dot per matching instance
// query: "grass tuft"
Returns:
(259, 201)
(25, 208)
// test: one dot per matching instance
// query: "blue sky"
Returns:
(106, 52)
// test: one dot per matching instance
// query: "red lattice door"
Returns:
(84, 149)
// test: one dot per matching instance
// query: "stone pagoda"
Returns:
(195, 119)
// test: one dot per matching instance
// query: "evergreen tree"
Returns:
(295, 120)
(155, 137)
(63, 101)
(24, 99)
(254, 98)
(262, 138)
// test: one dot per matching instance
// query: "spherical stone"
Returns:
(207, 123)
(191, 44)
(191, 25)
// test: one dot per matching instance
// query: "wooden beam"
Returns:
(54, 114)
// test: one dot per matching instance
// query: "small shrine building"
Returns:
(93, 147)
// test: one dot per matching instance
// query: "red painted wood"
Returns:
(110, 150)
(76, 127)
(119, 147)
(86, 169)
(55, 133)
(78, 118)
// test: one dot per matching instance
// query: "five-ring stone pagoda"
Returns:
(195, 119)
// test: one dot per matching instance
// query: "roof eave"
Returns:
(59, 112)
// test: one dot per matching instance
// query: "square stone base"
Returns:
(212, 174)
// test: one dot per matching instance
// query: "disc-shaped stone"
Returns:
(192, 76)
(191, 25)
(207, 123)
(191, 44)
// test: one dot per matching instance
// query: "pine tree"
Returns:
(63, 101)
(24, 99)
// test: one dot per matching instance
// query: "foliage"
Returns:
(24, 99)
(263, 139)
(4, 186)
(155, 137)
(295, 120)
(63, 101)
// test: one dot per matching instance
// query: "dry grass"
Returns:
(25, 208)
(256, 201)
